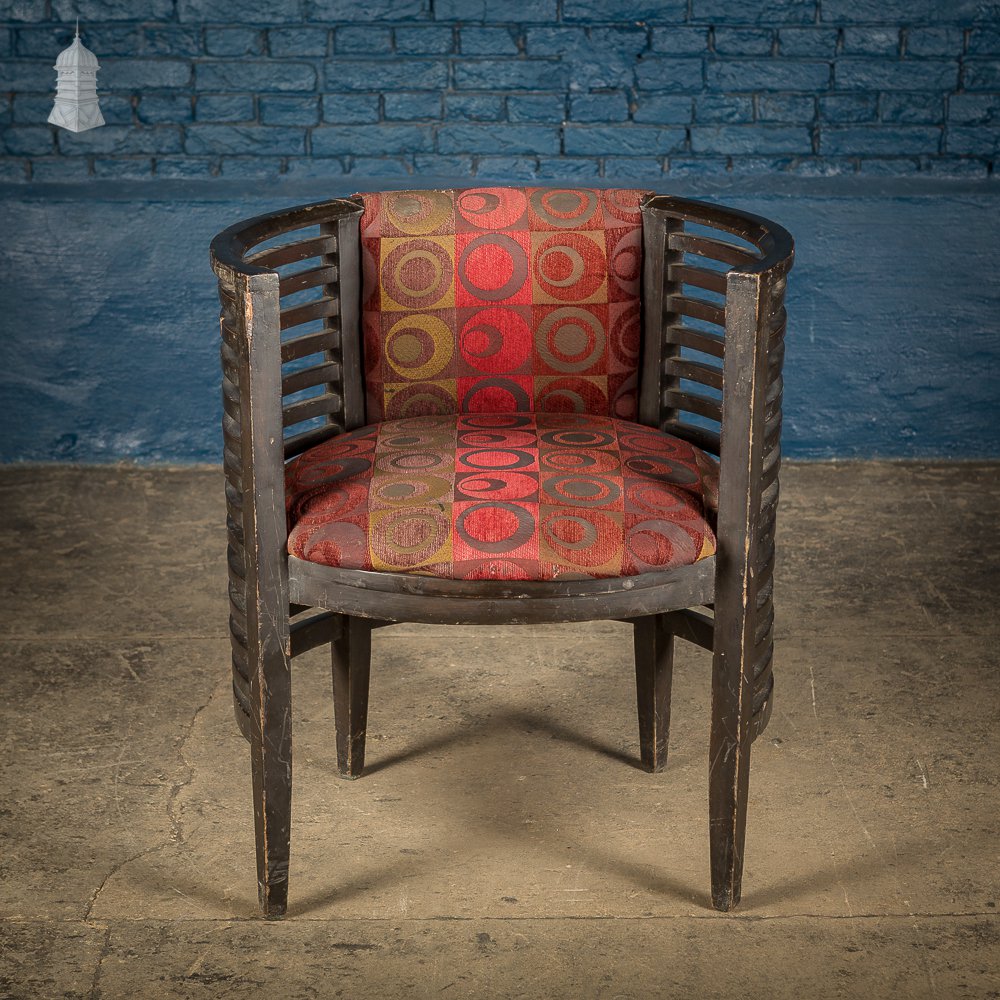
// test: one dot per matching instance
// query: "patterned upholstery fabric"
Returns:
(495, 300)
(538, 496)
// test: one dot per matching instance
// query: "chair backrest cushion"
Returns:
(501, 299)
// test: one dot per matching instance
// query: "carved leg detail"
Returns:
(351, 655)
(654, 663)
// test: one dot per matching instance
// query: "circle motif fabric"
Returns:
(493, 265)
(418, 213)
(419, 347)
(493, 268)
(416, 274)
(534, 496)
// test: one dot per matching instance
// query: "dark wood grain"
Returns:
(351, 655)
(654, 666)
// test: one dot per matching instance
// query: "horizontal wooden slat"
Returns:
(309, 343)
(775, 359)
(318, 406)
(769, 471)
(240, 698)
(307, 312)
(234, 497)
(235, 563)
(698, 340)
(328, 373)
(693, 626)
(765, 591)
(768, 510)
(315, 631)
(772, 401)
(230, 456)
(763, 669)
(230, 371)
(231, 406)
(240, 659)
(684, 305)
(238, 632)
(675, 400)
(708, 246)
(765, 574)
(765, 621)
(230, 359)
(763, 705)
(289, 253)
(310, 278)
(237, 600)
(231, 337)
(693, 371)
(295, 444)
(772, 434)
(230, 425)
(776, 326)
(701, 437)
(235, 528)
(700, 277)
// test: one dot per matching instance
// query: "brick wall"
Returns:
(559, 89)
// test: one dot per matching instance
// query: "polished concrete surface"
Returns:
(503, 842)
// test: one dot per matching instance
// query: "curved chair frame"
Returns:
(718, 297)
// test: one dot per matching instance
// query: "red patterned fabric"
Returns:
(536, 496)
(494, 300)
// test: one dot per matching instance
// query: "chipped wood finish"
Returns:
(292, 377)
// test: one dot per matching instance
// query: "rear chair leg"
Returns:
(351, 655)
(654, 664)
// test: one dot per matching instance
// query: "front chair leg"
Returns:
(271, 766)
(729, 770)
(351, 654)
(654, 664)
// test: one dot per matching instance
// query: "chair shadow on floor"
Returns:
(511, 721)
(183, 875)
(851, 871)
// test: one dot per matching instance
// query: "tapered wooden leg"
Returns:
(654, 664)
(351, 668)
(729, 759)
(271, 762)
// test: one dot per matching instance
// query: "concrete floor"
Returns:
(503, 843)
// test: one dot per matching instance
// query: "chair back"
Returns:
(501, 299)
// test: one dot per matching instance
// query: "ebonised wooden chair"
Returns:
(502, 405)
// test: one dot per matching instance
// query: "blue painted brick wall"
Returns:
(585, 89)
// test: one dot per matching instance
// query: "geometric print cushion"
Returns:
(501, 299)
(534, 496)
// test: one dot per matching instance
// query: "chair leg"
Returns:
(729, 766)
(271, 764)
(654, 665)
(351, 655)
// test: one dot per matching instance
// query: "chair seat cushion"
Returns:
(510, 496)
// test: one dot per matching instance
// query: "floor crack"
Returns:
(177, 833)
(95, 984)
(115, 869)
